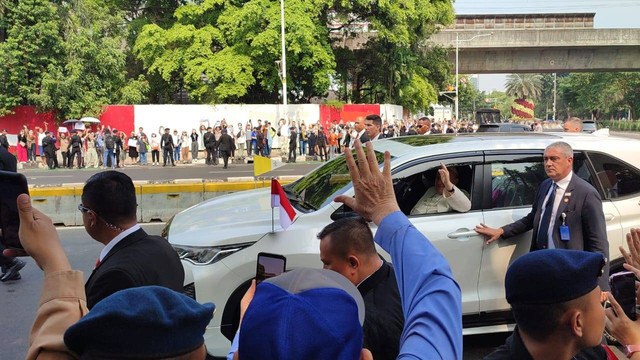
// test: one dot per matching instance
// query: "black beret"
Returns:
(552, 276)
(142, 322)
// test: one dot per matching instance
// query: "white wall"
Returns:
(390, 113)
(187, 117)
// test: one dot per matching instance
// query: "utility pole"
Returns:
(555, 95)
(284, 64)
(457, 46)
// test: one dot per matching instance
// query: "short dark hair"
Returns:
(112, 196)
(377, 120)
(349, 235)
(538, 320)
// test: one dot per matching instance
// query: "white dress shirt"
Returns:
(117, 239)
(561, 188)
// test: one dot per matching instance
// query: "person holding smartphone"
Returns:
(10, 267)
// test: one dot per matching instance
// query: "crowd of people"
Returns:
(358, 306)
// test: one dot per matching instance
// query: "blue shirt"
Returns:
(431, 298)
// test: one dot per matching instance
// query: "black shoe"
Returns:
(16, 276)
(13, 270)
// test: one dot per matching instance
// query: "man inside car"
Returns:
(444, 196)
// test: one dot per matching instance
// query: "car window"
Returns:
(421, 194)
(319, 187)
(515, 183)
(618, 179)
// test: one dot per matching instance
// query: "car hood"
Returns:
(230, 219)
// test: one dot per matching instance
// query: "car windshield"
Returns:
(319, 187)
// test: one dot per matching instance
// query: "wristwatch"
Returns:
(630, 350)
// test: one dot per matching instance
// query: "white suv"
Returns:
(219, 239)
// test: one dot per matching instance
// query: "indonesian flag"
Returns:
(279, 199)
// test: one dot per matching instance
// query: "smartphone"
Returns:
(623, 289)
(12, 185)
(269, 265)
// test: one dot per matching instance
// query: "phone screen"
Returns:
(623, 289)
(269, 265)
(12, 185)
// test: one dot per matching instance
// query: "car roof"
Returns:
(409, 147)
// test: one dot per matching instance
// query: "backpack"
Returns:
(109, 143)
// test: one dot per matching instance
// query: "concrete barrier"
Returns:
(155, 201)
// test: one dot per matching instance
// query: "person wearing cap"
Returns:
(347, 247)
(166, 143)
(303, 317)
(226, 145)
(566, 213)
(120, 326)
(555, 299)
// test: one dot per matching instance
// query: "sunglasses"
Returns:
(83, 208)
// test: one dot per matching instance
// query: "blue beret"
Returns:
(142, 322)
(303, 314)
(552, 276)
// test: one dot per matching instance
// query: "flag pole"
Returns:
(272, 217)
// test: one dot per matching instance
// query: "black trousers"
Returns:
(211, 156)
(312, 145)
(117, 158)
(225, 157)
(292, 153)
(65, 158)
(168, 154)
(75, 153)
(322, 150)
(50, 160)
(155, 156)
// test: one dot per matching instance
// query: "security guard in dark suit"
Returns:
(226, 145)
(566, 213)
(76, 144)
(49, 148)
(166, 143)
(209, 141)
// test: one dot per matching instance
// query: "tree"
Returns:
(32, 46)
(524, 86)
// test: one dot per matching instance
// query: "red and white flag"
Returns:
(279, 199)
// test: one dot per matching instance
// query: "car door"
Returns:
(512, 180)
(620, 183)
(451, 232)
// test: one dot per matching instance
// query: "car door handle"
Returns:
(609, 217)
(462, 234)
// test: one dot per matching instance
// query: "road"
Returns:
(19, 299)
(158, 173)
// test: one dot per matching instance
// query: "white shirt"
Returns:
(117, 239)
(40, 138)
(377, 137)
(562, 187)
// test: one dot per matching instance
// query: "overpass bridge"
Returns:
(543, 50)
(531, 43)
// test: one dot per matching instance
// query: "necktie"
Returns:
(97, 264)
(543, 232)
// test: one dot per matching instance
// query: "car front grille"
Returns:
(190, 290)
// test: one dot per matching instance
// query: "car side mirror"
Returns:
(343, 212)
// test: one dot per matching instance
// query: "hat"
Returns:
(141, 322)
(224, 130)
(552, 276)
(303, 312)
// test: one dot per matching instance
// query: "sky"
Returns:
(609, 14)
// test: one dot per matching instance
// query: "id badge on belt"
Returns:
(564, 229)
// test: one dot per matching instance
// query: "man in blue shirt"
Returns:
(431, 298)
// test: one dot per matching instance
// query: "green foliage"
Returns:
(135, 91)
(336, 104)
(603, 95)
(524, 86)
(33, 45)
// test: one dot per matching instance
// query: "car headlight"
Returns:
(207, 254)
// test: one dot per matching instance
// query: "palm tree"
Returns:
(524, 86)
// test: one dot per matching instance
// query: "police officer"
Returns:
(209, 141)
(555, 299)
(49, 148)
(166, 143)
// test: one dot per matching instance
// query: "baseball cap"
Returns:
(303, 314)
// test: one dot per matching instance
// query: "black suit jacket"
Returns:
(137, 260)
(4, 142)
(585, 219)
(364, 138)
(166, 141)
(226, 143)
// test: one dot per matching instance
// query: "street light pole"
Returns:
(555, 81)
(284, 63)
(457, 75)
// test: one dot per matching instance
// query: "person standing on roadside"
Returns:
(241, 140)
(312, 140)
(108, 159)
(321, 143)
(118, 145)
(133, 150)
(155, 150)
(185, 142)
(143, 144)
(100, 145)
(64, 150)
(209, 142)
(75, 143)
(293, 141)
(166, 143)
(194, 145)
(92, 154)
(226, 146)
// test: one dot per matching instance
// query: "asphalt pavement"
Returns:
(160, 173)
(19, 299)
